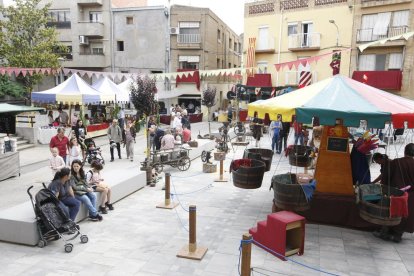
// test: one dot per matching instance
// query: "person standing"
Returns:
(115, 138)
(283, 134)
(298, 127)
(121, 118)
(56, 162)
(275, 128)
(177, 121)
(167, 141)
(159, 133)
(80, 133)
(61, 142)
(257, 129)
(63, 117)
(129, 139)
(50, 117)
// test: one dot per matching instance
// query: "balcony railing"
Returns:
(304, 41)
(293, 4)
(92, 29)
(188, 38)
(366, 35)
(59, 25)
(375, 3)
(266, 46)
(293, 77)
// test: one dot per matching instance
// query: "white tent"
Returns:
(124, 89)
(107, 87)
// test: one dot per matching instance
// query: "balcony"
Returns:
(387, 80)
(267, 46)
(367, 35)
(293, 77)
(304, 42)
(87, 60)
(59, 25)
(92, 29)
(376, 3)
(293, 4)
(86, 3)
(189, 41)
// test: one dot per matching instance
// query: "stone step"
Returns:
(22, 142)
(25, 146)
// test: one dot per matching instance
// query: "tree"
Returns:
(143, 91)
(209, 100)
(26, 41)
(9, 88)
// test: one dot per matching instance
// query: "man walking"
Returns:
(115, 138)
(283, 135)
(276, 127)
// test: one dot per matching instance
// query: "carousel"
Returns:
(329, 195)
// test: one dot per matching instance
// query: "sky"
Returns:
(230, 11)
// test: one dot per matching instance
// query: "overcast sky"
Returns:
(230, 11)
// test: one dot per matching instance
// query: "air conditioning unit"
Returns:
(174, 30)
(83, 40)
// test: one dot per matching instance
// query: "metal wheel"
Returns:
(184, 163)
(158, 167)
(68, 248)
(84, 239)
(204, 156)
(42, 243)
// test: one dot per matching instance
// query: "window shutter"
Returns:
(366, 63)
(395, 61)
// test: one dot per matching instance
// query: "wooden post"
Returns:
(221, 177)
(167, 202)
(192, 251)
(246, 255)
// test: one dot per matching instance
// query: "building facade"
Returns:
(385, 66)
(290, 30)
(201, 40)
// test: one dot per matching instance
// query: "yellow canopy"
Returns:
(286, 104)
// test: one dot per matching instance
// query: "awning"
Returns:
(11, 108)
(388, 80)
(260, 80)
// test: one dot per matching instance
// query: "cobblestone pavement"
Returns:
(139, 239)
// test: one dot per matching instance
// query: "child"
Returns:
(94, 179)
(74, 151)
(56, 162)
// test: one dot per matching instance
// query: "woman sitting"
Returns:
(61, 188)
(95, 181)
(83, 192)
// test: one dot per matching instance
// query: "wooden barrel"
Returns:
(288, 193)
(249, 177)
(300, 156)
(264, 155)
(378, 211)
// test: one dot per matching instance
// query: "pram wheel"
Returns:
(84, 239)
(42, 243)
(68, 248)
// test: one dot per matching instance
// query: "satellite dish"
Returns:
(231, 95)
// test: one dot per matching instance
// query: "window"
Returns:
(292, 28)
(263, 38)
(240, 48)
(400, 18)
(372, 62)
(230, 43)
(235, 46)
(59, 19)
(262, 65)
(218, 63)
(129, 20)
(395, 61)
(97, 51)
(189, 27)
(307, 30)
(229, 65)
(189, 62)
(218, 35)
(95, 16)
(120, 46)
(124, 71)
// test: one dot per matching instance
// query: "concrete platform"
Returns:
(18, 223)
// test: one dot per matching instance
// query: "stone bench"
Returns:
(18, 225)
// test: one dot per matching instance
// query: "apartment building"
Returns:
(290, 30)
(202, 41)
(385, 66)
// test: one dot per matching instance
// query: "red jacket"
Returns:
(61, 145)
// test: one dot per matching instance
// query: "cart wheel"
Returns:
(204, 156)
(184, 163)
(84, 239)
(42, 243)
(68, 248)
(158, 168)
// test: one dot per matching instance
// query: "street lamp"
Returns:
(337, 31)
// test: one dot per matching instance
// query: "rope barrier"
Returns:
(179, 219)
(196, 191)
(282, 256)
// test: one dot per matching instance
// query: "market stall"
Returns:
(338, 102)
(73, 91)
(194, 118)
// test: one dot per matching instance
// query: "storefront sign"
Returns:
(337, 144)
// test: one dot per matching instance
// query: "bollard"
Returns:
(221, 177)
(192, 251)
(246, 255)
(167, 202)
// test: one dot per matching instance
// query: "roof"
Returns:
(11, 108)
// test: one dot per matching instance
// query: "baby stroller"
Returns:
(52, 222)
(92, 152)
